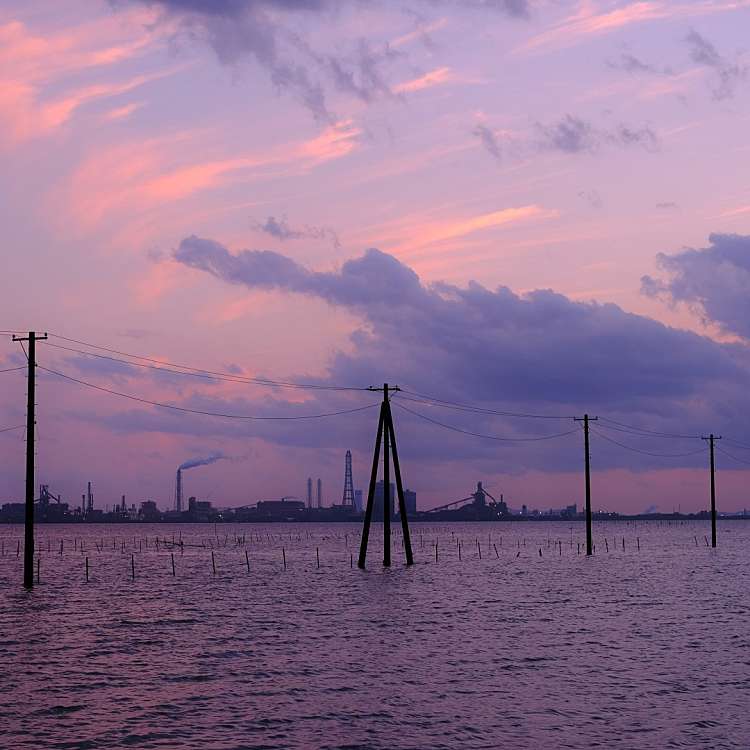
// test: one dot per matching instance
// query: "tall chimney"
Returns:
(309, 492)
(178, 492)
(90, 505)
(320, 493)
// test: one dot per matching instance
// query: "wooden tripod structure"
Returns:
(387, 436)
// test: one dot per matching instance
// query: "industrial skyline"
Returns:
(523, 207)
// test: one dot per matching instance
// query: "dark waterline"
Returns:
(517, 649)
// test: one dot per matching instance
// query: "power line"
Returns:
(14, 369)
(647, 453)
(480, 435)
(645, 431)
(202, 412)
(8, 429)
(430, 400)
(737, 443)
(726, 453)
(216, 374)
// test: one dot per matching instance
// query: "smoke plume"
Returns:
(211, 459)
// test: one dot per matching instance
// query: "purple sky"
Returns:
(528, 206)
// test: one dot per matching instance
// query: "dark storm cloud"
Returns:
(574, 135)
(714, 280)
(729, 75)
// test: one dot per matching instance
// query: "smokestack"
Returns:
(123, 504)
(309, 492)
(90, 505)
(178, 492)
(83, 504)
(320, 493)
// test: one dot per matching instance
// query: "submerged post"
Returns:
(28, 549)
(587, 463)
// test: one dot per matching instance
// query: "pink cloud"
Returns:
(141, 176)
(428, 80)
(26, 117)
(590, 21)
(430, 233)
(122, 113)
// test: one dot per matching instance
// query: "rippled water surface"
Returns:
(631, 648)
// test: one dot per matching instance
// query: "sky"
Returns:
(518, 211)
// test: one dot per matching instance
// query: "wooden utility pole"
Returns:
(28, 548)
(585, 420)
(711, 439)
(386, 435)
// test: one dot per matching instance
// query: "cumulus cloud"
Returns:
(539, 352)
(373, 280)
(728, 75)
(714, 281)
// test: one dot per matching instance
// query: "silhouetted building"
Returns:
(199, 510)
(377, 505)
(149, 511)
(358, 501)
(280, 510)
(410, 500)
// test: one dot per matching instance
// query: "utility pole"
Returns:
(585, 420)
(386, 489)
(711, 439)
(28, 541)
(387, 436)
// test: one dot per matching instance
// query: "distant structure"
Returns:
(358, 502)
(410, 501)
(348, 499)
(178, 492)
(89, 499)
(320, 493)
(379, 500)
(309, 493)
